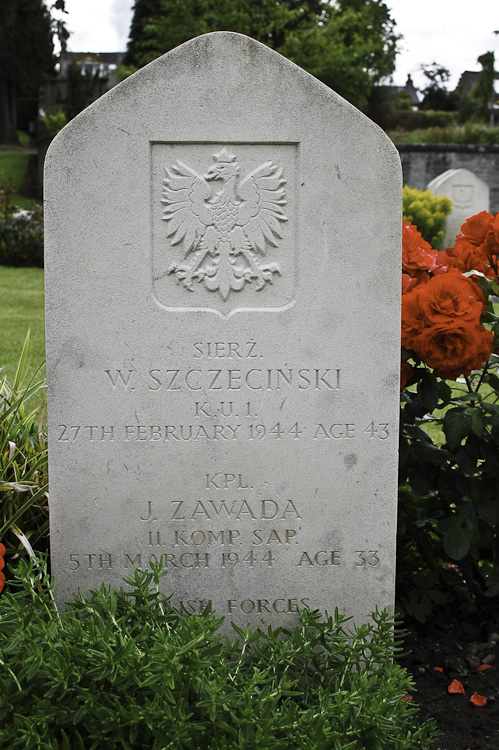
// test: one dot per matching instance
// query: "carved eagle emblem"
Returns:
(223, 221)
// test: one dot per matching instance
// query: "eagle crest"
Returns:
(224, 221)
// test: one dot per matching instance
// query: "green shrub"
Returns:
(448, 543)
(407, 120)
(428, 212)
(21, 232)
(470, 132)
(23, 464)
(55, 121)
(123, 669)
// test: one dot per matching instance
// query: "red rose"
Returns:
(451, 297)
(413, 320)
(465, 256)
(418, 256)
(454, 348)
(476, 227)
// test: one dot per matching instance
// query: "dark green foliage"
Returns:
(26, 55)
(448, 547)
(471, 132)
(482, 95)
(123, 669)
(21, 234)
(435, 95)
(139, 49)
(82, 90)
(350, 45)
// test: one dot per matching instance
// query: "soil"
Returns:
(455, 645)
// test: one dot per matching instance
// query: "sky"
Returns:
(452, 33)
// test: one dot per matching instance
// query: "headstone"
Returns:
(223, 279)
(469, 195)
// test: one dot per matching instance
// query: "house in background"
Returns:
(82, 78)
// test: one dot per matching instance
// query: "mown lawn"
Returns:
(21, 309)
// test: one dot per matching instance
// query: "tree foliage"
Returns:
(27, 28)
(483, 93)
(350, 45)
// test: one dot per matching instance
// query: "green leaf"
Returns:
(476, 420)
(492, 379)
(406, 354)
(465, 397)
(489, 510)
(431, 453)
(20, 366)
(445, 391)
(457, 425)
(428, 391)
(457, 542)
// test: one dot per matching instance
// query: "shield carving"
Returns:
(462, 195)
(223, 226)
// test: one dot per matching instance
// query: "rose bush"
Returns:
(449, 441)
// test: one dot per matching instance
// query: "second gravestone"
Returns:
(222, 290)
(469, 195)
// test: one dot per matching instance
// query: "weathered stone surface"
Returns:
(469, 195)
(223, 276)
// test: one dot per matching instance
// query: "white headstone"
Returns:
(469, 195)
(223, 279)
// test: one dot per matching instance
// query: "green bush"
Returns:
(123, 669)
(55, 121)
(21, 232)
(428, 212)
(448, 544)
(403, 119)
(470, 132)
(23, 464)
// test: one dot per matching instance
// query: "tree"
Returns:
(483, 92)
(139, 50)
(351, 49)
(349, 45)
(436, 96)
(27, 58)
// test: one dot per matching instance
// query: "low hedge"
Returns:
(124, 669)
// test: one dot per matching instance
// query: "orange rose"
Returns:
(491, 244)
(418, 256)
(413, 320)
(451, 297)
(465, 256)
(407, 283)
(476, 227)
(454, 348)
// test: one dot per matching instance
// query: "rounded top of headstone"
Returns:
(222, 69)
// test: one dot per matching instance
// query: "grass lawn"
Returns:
(13, 167)
(21, 309)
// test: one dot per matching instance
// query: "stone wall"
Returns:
(422, 163)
